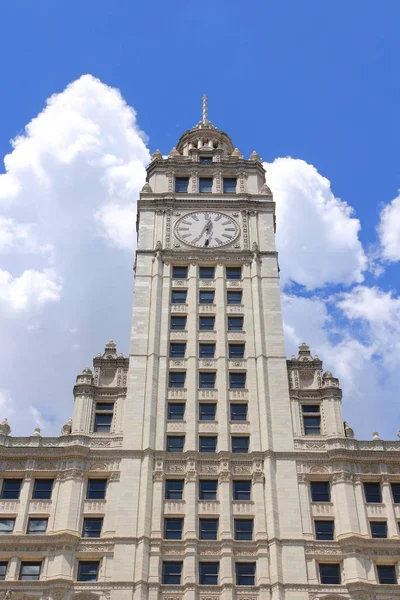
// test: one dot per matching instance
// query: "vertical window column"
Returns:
(392, 528)
(222, 362)
(305, 506)
(24, 496)
(260, 524)
(157, 510)
(225, 501)
(349, 495)
(191, 361)
(194, 182)
(191, 516)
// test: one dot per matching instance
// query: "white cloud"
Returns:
(389, 231)
(31, 289)
(317, 235)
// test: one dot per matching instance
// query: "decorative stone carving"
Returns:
(5, 429)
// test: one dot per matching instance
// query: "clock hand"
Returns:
(204, 230)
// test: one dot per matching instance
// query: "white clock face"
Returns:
(206, 229)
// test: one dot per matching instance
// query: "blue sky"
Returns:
(316, 81)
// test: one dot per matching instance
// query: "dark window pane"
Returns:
(205, 184)
(104, 406)
(206, 350)
(207, 411)
(205, 159)
(310, 408)
(234, 272)
(236, 351)
(206, 272)
(176, 411)
(237, 380)
(396, 492)
(11, 489)
(245, 573)
(238, 412)
(177, 379)
(30, 571)
(37, 526)
(42, 489)
(178, 323)
(206, 323)
(240, 444)
(178, 296)
(378, 529)
(181, 185)
(329, 573)
(6, 526)
(88, 570)
(208, 489)
(234, 297)
(312, 425)
(208, 529)
(208, 573)
(372, 492)
(242, 490)
(179, 272)
(172, 573)
(174, 489)
(92, 527)
(386, 574)
(96, 489)
(102, 422)
(235, 323)
(229, 185)
(207, 380)
(324, 530)
(3, 570)
(206, 297)
(207, 443)
(177, 350)
(175, 443)
(320, 491)
(173, 529)
(243, 529)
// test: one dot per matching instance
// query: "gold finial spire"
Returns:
(205, 119)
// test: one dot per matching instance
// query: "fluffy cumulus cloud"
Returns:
(389, 231)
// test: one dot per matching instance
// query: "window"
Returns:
(6, 526)
(311, 419)
(30, 571)
(208, 573)
(37, 526)
(324, 530)
(330, 573)
(174, 489)
(177, 350)
(233, 273)
(236, 351)
(240, 444)
(208, 489)
(103, 416)
(235, 323)
(88, 570)
(234, 297)
(378, 529)
(207, 272)
(173, 529)
(205, 159)
(396, 492)
(208, 529)
(92, 527)
(372, 491)
(179, 272)
(242, 490)
(178, 296)
(386, 574)
(237, 380)
(96, 489)
(177, 379)
(3, 570)
(243, 529)
(207, 411)
(171, 573)
(178, 323)
(205, 185)
(229, 185)
(11, 489)
(320, 491)
(42, 489)
(176, 411)
(207, 380)
(245, 573)
(206, 323)
(181, 185)
(175, 443)
(238, 412)
(206, 350)
(206, 296)
(207, 443)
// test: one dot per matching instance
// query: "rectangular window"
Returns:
(206, 323)
(174, 489)
(42, 489)
(207, 380)
(238, 412)
(329, 573)
(205, 185)
(178, 323)
(3, 570)
(208, 489)
(378, 529)
(320, 491)
(88, 570)
(237, 380)
(175, 443)
(178, 296)
(245, 573)
(92, 527)
(311, 419)
(103, 416)
(207, 443)
(208, 573)
(205, 159)
(206, 350)
(179, 272)
(177, 350)
(96, 489)
(206, 272)
(233, 273)
(171, 573)
(243, 529)
(30, 571)
(229, 185)
(6, 526)
(11, 489)
(372, 491)
(386, 574)
(242, 490)
(236, 351)
(324, 530)
(208, 529)
(234, 297)
(396, 492)
(206, 296)
(207, 411)
(240, 445)
(37, 526)
(235, 323)
(176, 411)
(181, 185)
(177, 379)
(173, 529)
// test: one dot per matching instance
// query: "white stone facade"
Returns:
(120, 507)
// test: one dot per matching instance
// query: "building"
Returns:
(205, 465)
